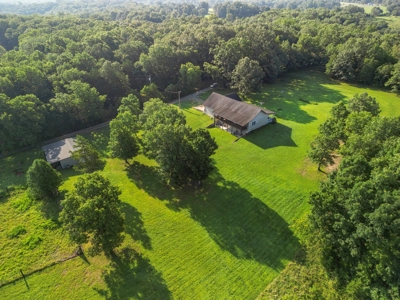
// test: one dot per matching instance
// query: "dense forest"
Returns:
(185, 7)
(65, 72)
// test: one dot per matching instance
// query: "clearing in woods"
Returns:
(225, 240)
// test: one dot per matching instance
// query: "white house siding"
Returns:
(260, 119)
(67, 162)
(209, 111)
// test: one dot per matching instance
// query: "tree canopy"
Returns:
(355, 212)
(73, 70)
(91, 213)
(87, 157)
(42, 180)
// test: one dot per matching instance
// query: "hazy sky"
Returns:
(25, 1)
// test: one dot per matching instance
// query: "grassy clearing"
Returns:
(367, 8)
(393, 21)
(227, 240)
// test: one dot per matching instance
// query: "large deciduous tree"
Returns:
(190, 76)
(22, 121)
(123, 140)
(247, 76)
(42, 180)
(150, 91)
(364, 102)
(91, 213)
(182, 154)
(88, 158)
(83, 103)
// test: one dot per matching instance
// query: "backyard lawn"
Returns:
(226, 240)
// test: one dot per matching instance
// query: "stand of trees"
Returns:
(356, 211)
(183, 154)
(71, 72)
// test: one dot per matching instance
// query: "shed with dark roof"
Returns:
(234, 96)
(235, 116)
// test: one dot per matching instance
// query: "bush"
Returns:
(16, 231)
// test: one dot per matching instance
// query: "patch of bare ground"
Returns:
(337, 159)
(310, 170)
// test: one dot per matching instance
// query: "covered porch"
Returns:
(229, 126)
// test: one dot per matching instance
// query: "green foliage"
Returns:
(83, 103)
(42, 180)
(247, 76)
(22, 121)
(190, 76)
(32, 241)
(130, 104)
(123, 141)
(23, 203)
(364, 102)
(150, 91)
(356, 209)
(322, 150)
(123, 144)
(343, 122)
(394, 81)
(91, 213)
(182, 154)
(156, 112)
(88, 158)
(16, 231)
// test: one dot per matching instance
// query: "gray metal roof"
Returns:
(59, 150)
(235, 111)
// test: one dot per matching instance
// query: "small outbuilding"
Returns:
(58, 154)
(235, 116)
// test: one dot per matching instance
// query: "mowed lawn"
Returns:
(225, 240)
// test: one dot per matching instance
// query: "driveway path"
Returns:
(194, 96)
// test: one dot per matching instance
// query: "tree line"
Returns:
(155, 10)
(63, 73)
(355, 213)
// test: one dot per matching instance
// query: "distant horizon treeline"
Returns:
(155, 7)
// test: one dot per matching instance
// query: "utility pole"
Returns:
(179, 97)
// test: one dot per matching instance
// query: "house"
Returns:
(234, 116)
(58, 154)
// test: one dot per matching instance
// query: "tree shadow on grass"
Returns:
(51, 208)
(237, 221)
(134, 225)
(131, 275)
(270, 136)
(294, 91)
(147, 179)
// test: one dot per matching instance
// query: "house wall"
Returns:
(209, 111)
(67, 162)
(260, 120)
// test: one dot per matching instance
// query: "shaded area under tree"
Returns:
(131, 275)
(236, 220)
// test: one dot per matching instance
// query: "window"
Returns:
(253, 123)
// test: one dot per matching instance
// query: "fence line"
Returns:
(39, 269)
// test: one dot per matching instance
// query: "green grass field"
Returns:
(226, 240)
(367, 8)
